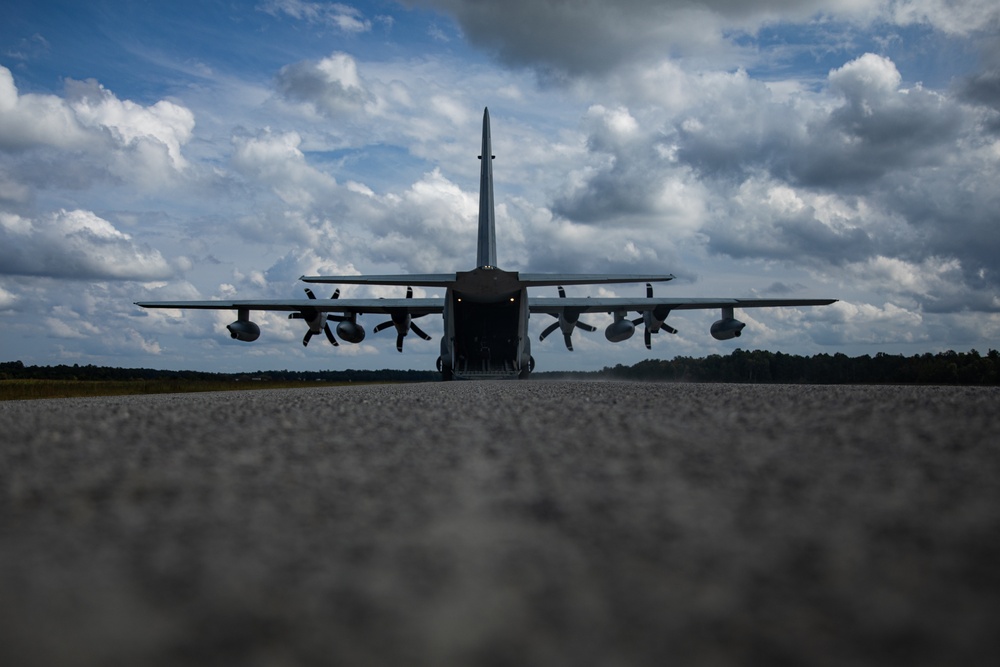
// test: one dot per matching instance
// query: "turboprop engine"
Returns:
(728, 327)
(655, 319)
(568, 320)
(243, 329)
(619, 330)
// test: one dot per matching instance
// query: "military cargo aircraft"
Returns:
(486, 309)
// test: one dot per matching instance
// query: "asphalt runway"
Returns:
(518, 523)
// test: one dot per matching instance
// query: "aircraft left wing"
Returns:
(317, 313)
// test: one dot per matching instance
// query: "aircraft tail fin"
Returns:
(487, 246)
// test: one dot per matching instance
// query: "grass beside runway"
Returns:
(15, 390)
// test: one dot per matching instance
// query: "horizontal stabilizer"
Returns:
(408, 280)
(553, 279)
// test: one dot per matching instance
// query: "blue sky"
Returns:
(762, 148)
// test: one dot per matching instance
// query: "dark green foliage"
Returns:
(761, 366)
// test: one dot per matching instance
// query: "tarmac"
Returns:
(505, 523)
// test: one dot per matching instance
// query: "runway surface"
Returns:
(521, 523)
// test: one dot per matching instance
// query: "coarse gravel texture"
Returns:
(517, 523)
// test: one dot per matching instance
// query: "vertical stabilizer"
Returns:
(487, 249)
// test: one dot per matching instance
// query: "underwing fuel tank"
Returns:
(619, 330)
(728, 327)
(350, 331)
(244, 330)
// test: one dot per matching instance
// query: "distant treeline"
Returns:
(758, 366)
(15, 370)
(761, 366)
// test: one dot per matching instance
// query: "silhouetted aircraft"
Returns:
(485, 310)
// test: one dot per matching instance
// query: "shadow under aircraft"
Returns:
(486, 309)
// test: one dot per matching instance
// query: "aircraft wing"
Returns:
(554, 306)
(414, 307)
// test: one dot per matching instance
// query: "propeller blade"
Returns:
(384, 325)
(647, 336)
(329, 335)
(569, 342)
(668, 328)
(309, 293)
(585, 326)
(296, 316)
(420, 332)
(336, 294)
(548, 330)
(399, 342)
(562, 292)
(305, 339)
(639, 320)
(409, 292)
(649, 291)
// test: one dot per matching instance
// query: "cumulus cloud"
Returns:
(332, 85)
(852, 323)
(162, 126)
(75, 244)
(37, 120)
(275, 160)
(861, 168)
(90, 135)
(429, 227)
(89, 116)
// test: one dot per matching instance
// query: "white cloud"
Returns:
(97, 135)
(37, 120)
(275, 160)
(162, 124)
(958, 17)
(346, 18)
(852, 323)
(332, 85)
(7, 299)
(75, 244)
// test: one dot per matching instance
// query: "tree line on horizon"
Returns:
(740, 366)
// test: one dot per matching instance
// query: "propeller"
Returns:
(567, 320)
(403, 321)
(654, 319)
(316, 320)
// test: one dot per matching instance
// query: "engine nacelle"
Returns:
(727, 328)
(619, 330)
(244, 330)
(352, 332)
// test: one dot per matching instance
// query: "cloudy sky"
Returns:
(846, 149)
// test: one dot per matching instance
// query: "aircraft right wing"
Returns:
(553, 306)
(652, 311)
